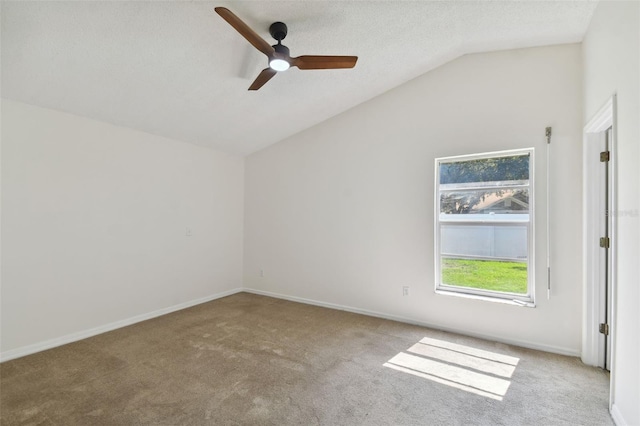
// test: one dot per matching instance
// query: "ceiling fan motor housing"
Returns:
(281, 49)
(278, 30)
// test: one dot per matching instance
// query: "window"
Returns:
(484, 225)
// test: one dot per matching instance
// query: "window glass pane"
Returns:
(490, 242)
(486, 170)
(504, 276)
(485, 201)
(484, 225)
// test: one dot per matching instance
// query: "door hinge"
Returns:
(604, 156)
(605, 242)
(604, 329)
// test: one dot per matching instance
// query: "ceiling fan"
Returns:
(278, 54)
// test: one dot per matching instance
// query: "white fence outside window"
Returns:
(482, 239)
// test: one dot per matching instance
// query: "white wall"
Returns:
(343, 213)
(611, 65)
(94, 222)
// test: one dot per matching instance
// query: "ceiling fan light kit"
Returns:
(278, 54)
(279, 64)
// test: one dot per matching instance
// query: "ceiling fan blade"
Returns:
(310, 62)
(262, 78)
(251, 36)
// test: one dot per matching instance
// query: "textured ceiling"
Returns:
(178, 70)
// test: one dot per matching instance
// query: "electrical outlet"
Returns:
(261, 273)
(188, 232)
(405, 290)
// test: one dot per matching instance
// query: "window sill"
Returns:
(487, 298)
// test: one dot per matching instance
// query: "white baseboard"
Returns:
(617, 416)
(69, 338)
(522, 343)
(74, 337)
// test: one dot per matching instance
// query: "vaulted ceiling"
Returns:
(177, 69)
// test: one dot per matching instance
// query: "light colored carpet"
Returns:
(253, 360)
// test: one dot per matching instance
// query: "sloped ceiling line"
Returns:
(176, 69)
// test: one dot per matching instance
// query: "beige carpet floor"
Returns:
(253, 360)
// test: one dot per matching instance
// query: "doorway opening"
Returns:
(605, 245)
(599, 243)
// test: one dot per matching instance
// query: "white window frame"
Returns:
(527, 299)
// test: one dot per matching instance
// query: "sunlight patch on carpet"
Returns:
(463, 367)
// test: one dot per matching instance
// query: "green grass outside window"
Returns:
(508, 277)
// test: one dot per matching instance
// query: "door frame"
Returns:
(593, 342)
